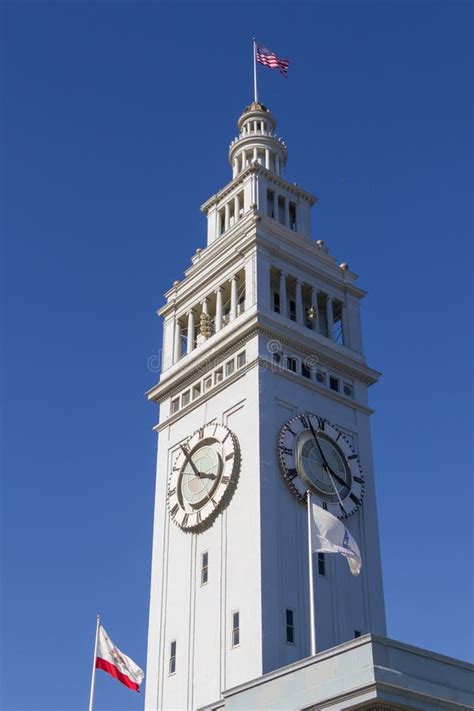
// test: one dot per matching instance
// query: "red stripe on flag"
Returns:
(113, 671)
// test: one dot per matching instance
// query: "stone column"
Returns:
(218, 320)
(236, 208)
(275, 205)
(233, 297)
(255, 154)
(267, 158)
(277, 164)
(226, 217)
(177, 341)
(283, 300)
(329, 317)
(299, 303)
(190, 330)
(205, 306)
(234, 168)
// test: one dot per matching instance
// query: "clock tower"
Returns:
(261, 342)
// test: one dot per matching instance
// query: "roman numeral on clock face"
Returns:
(354, 498)
(287, 450)
(225, 479)
(185, 520)
(230, 456)
(352, 456)
(292, 473)
(174, 510)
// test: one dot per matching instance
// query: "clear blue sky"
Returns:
(118, 120)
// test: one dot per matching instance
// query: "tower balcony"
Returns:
(210, 315)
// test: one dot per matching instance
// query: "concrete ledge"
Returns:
(371, 672)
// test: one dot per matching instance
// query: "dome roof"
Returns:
(255, 106)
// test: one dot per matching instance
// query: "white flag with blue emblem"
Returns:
(329, 535)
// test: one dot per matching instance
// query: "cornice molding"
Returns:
(209, 359)
(185, 374)
(257, 169)
(205, 396)
(255, 230)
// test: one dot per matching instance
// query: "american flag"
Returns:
(269, 59)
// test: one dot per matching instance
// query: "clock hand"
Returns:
(187, 454)
(325, 464)
(199, 474)
(325, 461)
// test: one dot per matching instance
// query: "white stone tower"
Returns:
(264, 327)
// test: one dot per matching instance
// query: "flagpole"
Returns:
(255, 92)
(311, 581)
(91, 697)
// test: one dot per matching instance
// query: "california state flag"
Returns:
(112, 660)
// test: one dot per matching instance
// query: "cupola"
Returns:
(257, 142)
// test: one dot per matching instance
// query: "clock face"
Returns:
(314, 455)
(203, 477)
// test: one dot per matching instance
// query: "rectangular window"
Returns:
(270, 210)
(334, 383)
(276, 302)
(185, 398)
(241, 359)
(174, 405)
(290, 364)
(277, 357)
(305, 371)
(337, 319)
(321, 564)
(207, 383)
(204, 568)
(172, 665)
(290, 626)
(235, 629)
(196, 390)
(218, 376)
(229, 367)
(292, 216)
(281, 209)
(292, 310)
